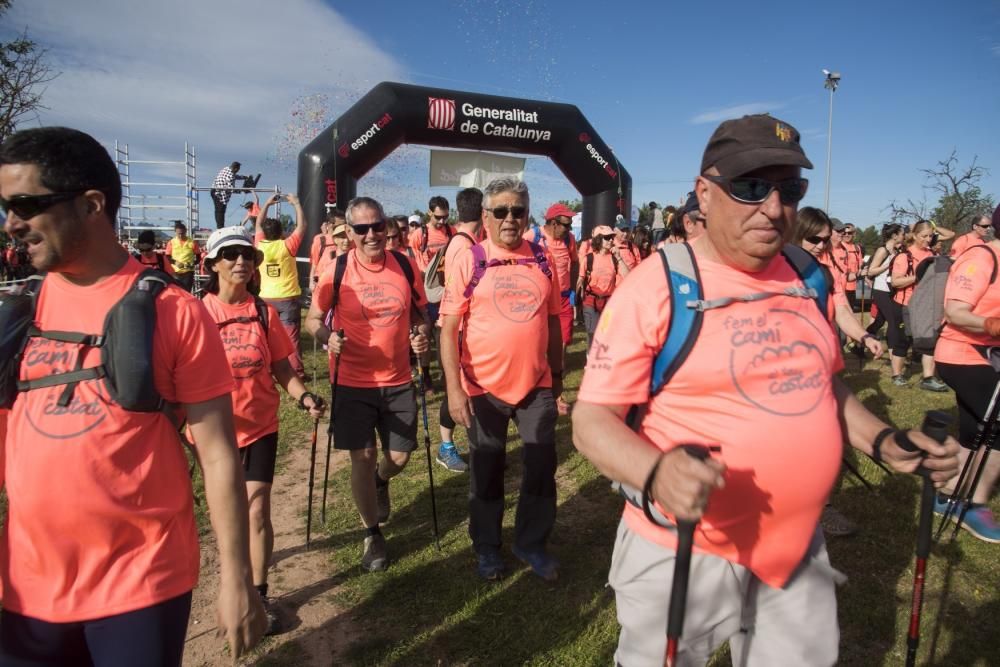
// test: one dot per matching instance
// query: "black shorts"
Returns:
(149, 636)
(358, 412)
(974, 386)
(258, 459)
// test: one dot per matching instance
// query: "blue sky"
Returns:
(250, 80)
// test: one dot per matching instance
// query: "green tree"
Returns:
(869, 238)
(960, 200)
(23, 75)
(575, 204)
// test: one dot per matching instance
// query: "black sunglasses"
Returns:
(362, 230)
(441, 218)
(231, 252)
(500, 212)
(987, 226)
(563, 224)
(144, 247)
(607, 237)
(749, 190)
(28, 206)
(392, 237)
(816, 240)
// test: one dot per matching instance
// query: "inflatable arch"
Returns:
(395, 113)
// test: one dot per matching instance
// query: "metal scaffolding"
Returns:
(156, 204)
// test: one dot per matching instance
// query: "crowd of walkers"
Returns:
(715, 339)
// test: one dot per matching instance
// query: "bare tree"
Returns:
(960, 199)
(23, 75)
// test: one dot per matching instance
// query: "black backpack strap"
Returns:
(262, 314)
(340, 268)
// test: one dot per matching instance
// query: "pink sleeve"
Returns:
(277, 338)
(454, 302)
(969, 278)
(293, 242)
(631, 331)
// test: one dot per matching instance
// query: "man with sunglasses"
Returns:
(556, 237)
(147, 255)
(377, 306)
(980, 232)
(505, 299)
(99, 553)
(853, 254)
(759, 385)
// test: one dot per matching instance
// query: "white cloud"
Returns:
(224, 76)
(736, 111)
(995, 49)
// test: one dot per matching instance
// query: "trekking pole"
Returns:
(857, 473)
(682, 572)
(427, 449)
(312, 460)
(936, 426)
(329, 439)
(985, 433)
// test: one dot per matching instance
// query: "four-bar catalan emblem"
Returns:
(440, 113)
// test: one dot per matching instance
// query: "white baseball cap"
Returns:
(226, 236)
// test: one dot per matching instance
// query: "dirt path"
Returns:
(302, 582)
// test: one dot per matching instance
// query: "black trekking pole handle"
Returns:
(682, 570)
(935, 426)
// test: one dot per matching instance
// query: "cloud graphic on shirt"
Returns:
(769, 356)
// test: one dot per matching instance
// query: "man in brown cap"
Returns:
(755, 390)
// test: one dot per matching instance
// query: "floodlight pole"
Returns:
(832, 81)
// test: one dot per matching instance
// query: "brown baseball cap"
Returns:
(742, 145)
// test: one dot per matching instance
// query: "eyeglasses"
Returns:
(441, 218)
(848, 232)
(362, 230)
(607, 237)
(28, 206)
(816, 240)
(231, 252)
(750, 190)
(986, 226)
(392, 237)
(567, 225)
(501, 212)
(144, 247)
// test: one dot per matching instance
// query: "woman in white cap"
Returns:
(257, 347)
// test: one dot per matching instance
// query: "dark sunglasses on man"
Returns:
(376, 227)
(26, 207)
(440, 218)
(144, 247)
(607, 237)
(566, 224)
(501, 212)
(750, 190)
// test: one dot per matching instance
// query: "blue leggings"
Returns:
(151, 637)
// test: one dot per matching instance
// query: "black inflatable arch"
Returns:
(395, 113)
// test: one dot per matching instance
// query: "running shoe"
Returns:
(541, 563)
(375, 558)
(933, 384)
(835, 524)
(490, 566)
(448, 457)
(900, 380)
(980, 522)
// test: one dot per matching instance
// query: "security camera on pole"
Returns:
(832, 81)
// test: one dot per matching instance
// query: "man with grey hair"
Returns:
(504, 295)
(375, 300)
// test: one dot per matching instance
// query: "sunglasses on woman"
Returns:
(26, 207)
(230, 253)
(749, 190)
(816, 240)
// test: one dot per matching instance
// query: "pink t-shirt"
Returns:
(563, 253)
(757, 382)
(964, 242)
(969, 282)
(251, 353)
(100, 520)
(374, 311)
(906, 265)
(505, 331)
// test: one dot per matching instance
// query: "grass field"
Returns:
(429, 608)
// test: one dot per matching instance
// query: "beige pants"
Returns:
(766, 627)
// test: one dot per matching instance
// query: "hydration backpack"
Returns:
(434, 274)
(480, 265)
(923, 317)
(126, 344)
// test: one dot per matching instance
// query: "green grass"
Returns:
(429, 608)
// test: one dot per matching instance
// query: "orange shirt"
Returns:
(629, 253)
(964, 242)
(563, 253)
(604, 276)
(154, 263)
(757, 382)
(250, 354)
(506, 328)
(437, 238)
(839, 287)
(903, 265)
(373, 309)
(326, 244)
(100, 520)
(969, 282)
(852, 263)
